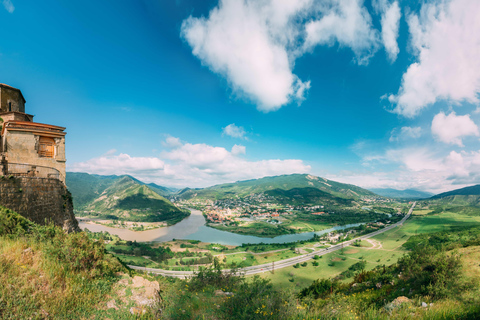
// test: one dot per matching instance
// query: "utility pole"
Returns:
(273, 267)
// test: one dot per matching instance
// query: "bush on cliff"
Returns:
(11, 223)
(47, 274)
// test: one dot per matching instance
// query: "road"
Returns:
(267, 267)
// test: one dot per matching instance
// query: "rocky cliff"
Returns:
(42, 200)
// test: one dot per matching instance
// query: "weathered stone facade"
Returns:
(40, 200)
(22, 150)
(28, 148)
(32, 165)
(11, 99)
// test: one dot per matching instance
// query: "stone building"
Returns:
(28, 148)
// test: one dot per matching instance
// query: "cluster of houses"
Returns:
(252, 207)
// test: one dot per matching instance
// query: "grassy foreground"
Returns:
(46, 274)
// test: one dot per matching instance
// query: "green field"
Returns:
(249, 259)
(391, 249)
(137, 261)
(383, 249)
(331, 265)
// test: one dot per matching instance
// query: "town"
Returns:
(246, 215)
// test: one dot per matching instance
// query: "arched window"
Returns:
(46, 147)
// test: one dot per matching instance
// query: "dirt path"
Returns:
(254, 253)
(376, 244)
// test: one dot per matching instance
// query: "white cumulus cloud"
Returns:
(192, 165)
(254, 44)
(421, 168)
(346, 22)
(390, 21)
(237, 150)
(450, 129)
(445, 39)
(405, 133)
(246, 42)
(171, 142)
(8, 5)
(235, 131)
(119, 164)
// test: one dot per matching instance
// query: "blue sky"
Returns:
(376, 93)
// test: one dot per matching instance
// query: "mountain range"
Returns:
(127, 198)
(472, 190)
(401, 194)
(283, 182)
(463, 196)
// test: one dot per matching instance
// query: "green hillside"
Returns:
(401, 194)
(472, 190)
(458, 200)
(464, 197)
(120, 197)
(305, 195)
(87, 187)
(283, 182)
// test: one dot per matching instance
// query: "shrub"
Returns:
(11, 223)
(256, 299)
(320, 288)
(77, 251)
(431, 272)
(213, 276)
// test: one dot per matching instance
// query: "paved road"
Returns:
(282, 263)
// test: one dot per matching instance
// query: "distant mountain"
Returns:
(467, 191)
(401, 194)
(304, 196)
(123, 197)
(468, 196)
(283, 182)
(163, 191)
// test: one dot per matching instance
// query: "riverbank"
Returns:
(120, 224)
(296, 223)
(194, 228)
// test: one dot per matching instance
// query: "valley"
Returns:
(296, 239)
(266, 207)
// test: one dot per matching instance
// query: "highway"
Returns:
(268, 267)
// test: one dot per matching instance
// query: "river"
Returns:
(194, 228)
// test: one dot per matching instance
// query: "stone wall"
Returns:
(12, 96)
(40, 200)
(22, 147)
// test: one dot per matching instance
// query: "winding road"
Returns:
(282, 263)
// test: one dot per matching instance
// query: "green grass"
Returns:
(304, 276)
(425, 223)
(47, 274)
(249, 259)
(137, 261)
(391, 250)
